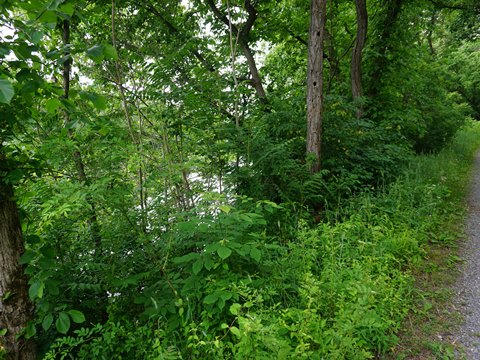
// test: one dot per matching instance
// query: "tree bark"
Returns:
(16, 309)
(356, 65)
(315, 81)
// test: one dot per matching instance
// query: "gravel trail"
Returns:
(468, 286)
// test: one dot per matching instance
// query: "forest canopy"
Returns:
(184, 179)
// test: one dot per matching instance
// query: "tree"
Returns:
(356, 64)
(16, 309)
(315, 81)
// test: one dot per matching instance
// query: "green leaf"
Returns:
(52, 105)
(243, 250)
(47, 321)
(110, 52)
(64, 59)
(32, 239)
(100, 52)
(245, 218)
(6, 91)
(36, 290)
(140, 300)
(48, 17)
(186, 226)
(36, 36)
(3, 332)
(6, 296)
(208, 262)
(14, 176)
(99, 101)
(28, 256)
(48, 251)
(283, 353)
(224, 252)
(255, 254)
(54, 4)
(235, 308)
(197, 266)
(96, 53)
(67, 9)
(225, 208)
(235, 331)
(225, 295)
(211, 299)
(46, 263)
(186, 258)
(4, 51)
(30, 330)
(212, 247)
(77, 316)
(63, 323)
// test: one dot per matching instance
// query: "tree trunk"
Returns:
(315, 81)
(356, 65)
(16, 308)
(252, 66)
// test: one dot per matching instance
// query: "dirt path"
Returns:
(468, 287)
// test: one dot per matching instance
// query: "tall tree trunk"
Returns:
(356, 65)
(315, 81)
(16, 308)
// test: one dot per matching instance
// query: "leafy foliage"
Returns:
(168, 211)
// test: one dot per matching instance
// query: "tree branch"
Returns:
(243, 42)
(252, 16)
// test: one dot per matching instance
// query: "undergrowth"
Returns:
(230, 287)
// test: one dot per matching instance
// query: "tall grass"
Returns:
(353, 275)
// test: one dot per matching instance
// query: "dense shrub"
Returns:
(340, 290)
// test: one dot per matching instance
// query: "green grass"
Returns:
(382, 264)
(426, 331)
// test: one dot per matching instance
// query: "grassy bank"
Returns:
(378, 261)
(427, 328)
(361, 273)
